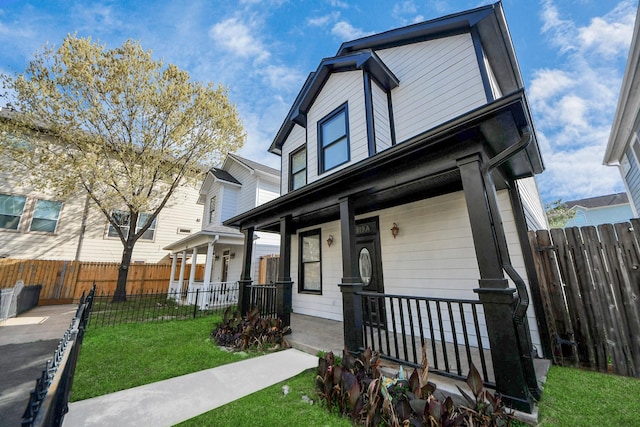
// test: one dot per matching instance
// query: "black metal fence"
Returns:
(453, 332)
(265, 297)
(48, 401)
(162, 306)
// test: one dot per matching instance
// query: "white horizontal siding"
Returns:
(439, 80)
(382, 124)
(229, 203)
(296, 139)
(339, 88)
(432, 256)
(532, 204)
(247, 195)
(267, 191)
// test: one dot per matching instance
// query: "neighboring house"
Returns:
(623, 148)
(40, 225)
(238, 186)
(608, 209)
(407, 168)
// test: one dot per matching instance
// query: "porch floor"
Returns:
(313, 334)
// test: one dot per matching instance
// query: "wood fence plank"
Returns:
(629, 285)
(617, 276)
(574, 301)
(604, 302)
(552, 293)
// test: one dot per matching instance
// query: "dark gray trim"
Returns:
(436, 28)
(392, 122)
(486, 83)
(306, 166)
(321, 161)
(301, 236)
(366, 60)
(368, 110)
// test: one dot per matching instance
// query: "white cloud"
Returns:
(345, 31)
(338, 3)
(321, 21)
(573, 104)
(282, 78)
(237, 38)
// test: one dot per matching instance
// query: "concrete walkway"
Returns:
(172, 401)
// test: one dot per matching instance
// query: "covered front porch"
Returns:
(474, 157)
(221, 269)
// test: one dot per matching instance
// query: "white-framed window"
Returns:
(212, 209)
(123, 219)
(298, 168)
(45, 216)
(333, 139)
(11, 210)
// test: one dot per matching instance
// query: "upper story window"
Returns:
(11, 209)
(45, 216)
(298, 169)
(212, 209)
(309, 273)
(123, 219)
(333, 139)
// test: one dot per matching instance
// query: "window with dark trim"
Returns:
(298, 168)
(333, 139)
(310, 271)
(11, 209)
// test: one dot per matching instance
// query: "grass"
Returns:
(271, 407)
(574, 397)
(129, 355)
(120, 357)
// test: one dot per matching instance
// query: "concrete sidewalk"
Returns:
(172, 401)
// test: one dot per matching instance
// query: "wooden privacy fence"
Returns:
(590, 285)
(65, 281)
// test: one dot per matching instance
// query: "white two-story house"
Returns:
(237, 186)
(407, 170)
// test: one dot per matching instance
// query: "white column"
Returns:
(172, 287)
(183, 266)
(208, 265)
(192, 273)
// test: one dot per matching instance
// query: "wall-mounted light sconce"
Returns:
(232, 255)
(217, 257)
(330, 240)
(395, 230)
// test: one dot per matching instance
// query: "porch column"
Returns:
(183, 266)
(351, 282)
(244, 291)
(192, 272)
(494, 292)
(172, 278)
(207, 265)
(284, 283)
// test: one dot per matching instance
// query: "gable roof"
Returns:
(255, 166)
(600, 201)
(488, 22)
(224, 176)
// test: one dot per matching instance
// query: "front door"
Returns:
(370, 266)
(225, 266)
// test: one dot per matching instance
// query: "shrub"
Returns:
(252, 331)
(357, 389)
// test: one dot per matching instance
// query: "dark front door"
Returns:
(370, 266)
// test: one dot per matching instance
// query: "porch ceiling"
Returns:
(424, 166)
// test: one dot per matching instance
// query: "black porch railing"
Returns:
(453, 332)
(265, 297)
(163, 306)
(48, 401)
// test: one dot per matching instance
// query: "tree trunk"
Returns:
(120, 294)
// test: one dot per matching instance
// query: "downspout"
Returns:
(522, 301)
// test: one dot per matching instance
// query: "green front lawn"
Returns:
(125, 356)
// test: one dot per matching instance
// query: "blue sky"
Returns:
(572, 56)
